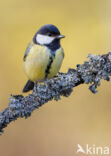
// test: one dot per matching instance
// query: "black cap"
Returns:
(49, 29)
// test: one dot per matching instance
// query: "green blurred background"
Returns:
(57, 127)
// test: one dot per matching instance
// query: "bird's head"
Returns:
(47, 34)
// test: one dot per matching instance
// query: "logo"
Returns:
(93, 150)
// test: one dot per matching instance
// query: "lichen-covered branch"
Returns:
(91, 72)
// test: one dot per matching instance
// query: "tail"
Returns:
(29, 86)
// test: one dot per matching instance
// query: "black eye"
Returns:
(49, 34)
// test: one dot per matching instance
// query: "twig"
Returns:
(91, 72)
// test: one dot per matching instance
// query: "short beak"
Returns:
(60, 36)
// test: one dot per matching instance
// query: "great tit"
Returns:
(43, 56)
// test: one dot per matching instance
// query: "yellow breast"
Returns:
(37, 60)
(56, 64)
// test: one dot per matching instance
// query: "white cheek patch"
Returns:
(43, 39)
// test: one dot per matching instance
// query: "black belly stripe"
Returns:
(47, 71)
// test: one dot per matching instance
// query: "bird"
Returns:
(43, 56)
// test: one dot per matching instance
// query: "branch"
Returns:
(91, 72)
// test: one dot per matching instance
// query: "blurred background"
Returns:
(83, 118)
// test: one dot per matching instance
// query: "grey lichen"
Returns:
(91, 72)
(98, 67)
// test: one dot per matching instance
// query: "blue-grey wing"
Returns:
(27, 50)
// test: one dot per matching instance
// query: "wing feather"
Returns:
(28, 50)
